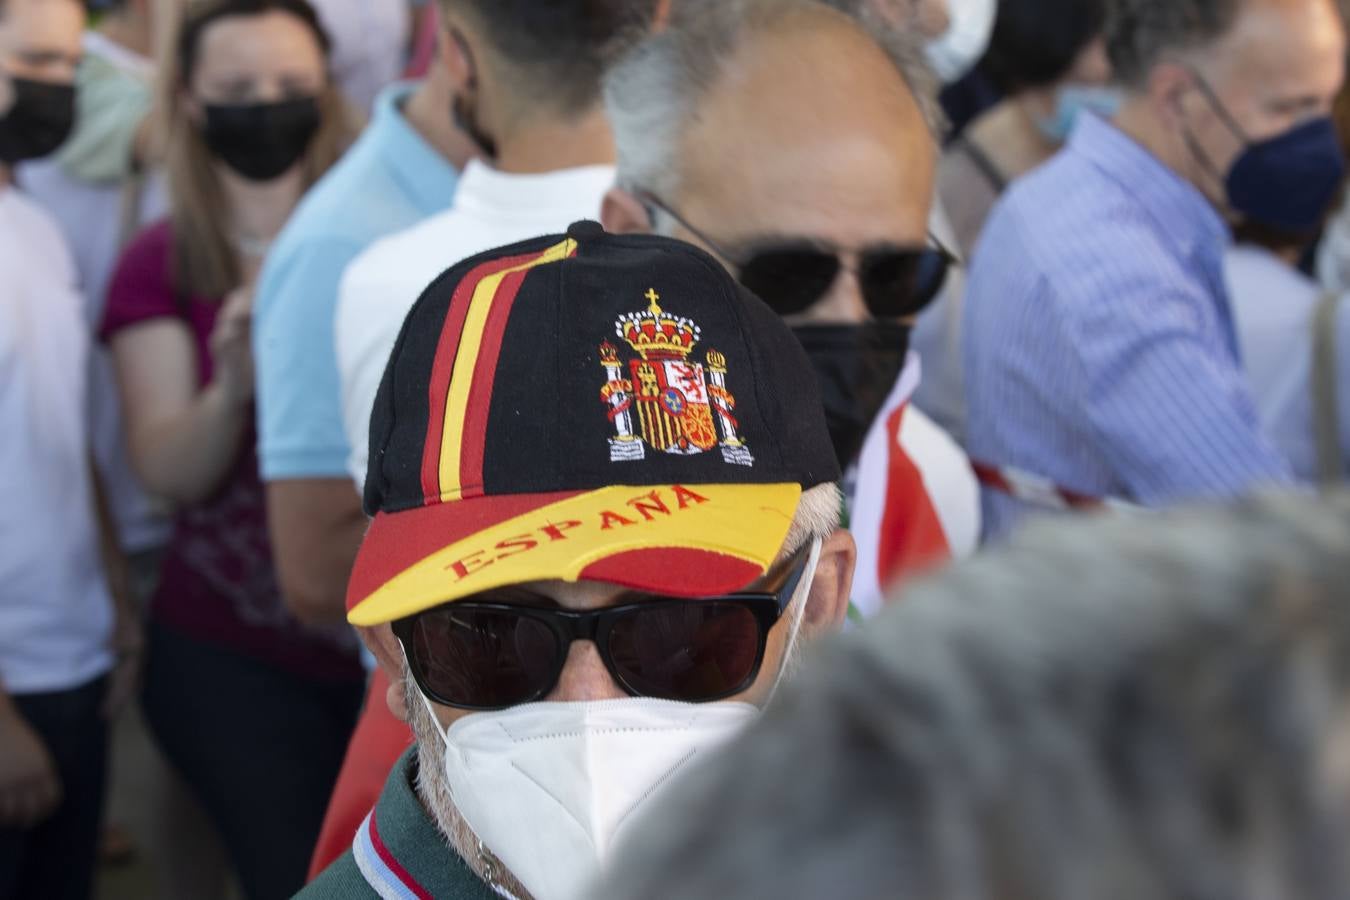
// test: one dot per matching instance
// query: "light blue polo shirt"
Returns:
(389, 180)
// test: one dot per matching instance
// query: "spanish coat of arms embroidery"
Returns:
(663, 400)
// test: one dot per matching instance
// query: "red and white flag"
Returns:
(915, 503)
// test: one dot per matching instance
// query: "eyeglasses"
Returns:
(792, 275)
(491, 653)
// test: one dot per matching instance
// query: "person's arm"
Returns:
(1174, 422)
(185, 439)
(30, 789)
(316, 527)
(314, 514)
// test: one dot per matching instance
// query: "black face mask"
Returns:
(857, 366)
(39, 122)
(262, 141)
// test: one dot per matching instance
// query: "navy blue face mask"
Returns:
(1288, 181)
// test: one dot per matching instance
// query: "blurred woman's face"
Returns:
(267, 58)
(255, 93)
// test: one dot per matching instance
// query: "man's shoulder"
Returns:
(33, 234)
(359, 199)
(386, 278)
(1067, 199)
(336, 207)
(1069, 238)
(348, 210)
(27, 218)
(419, 247)
(341, 881)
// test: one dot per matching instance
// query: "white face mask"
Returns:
(956, 52)
(550, 787)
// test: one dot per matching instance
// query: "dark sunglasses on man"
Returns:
(792, 274)
(508, 646)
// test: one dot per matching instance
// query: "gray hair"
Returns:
(818, 516)
(653, 92)
(1119, 710)
(1142, 33)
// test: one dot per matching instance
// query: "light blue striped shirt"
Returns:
(1099, 348)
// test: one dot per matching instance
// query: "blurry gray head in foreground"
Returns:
(1129, 709)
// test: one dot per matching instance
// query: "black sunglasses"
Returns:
(490, 653)
(792, 275)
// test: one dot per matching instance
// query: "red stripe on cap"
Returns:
(677, 571)
(473, 443)
(447, 348)
(395, 867)
(397, 541)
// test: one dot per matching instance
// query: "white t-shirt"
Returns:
(1273, 308)
(491, 209)
(55, 611)
(90, 216)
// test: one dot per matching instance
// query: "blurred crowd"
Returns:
(447, 424)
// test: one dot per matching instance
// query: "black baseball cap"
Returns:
(585, 406)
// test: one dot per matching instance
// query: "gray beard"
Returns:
(434, 793)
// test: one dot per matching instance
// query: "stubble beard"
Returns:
(434, 791)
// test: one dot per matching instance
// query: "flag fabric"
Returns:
(914, 502)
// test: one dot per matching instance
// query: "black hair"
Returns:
(560, 48)
(201, 16)
(1035, 42)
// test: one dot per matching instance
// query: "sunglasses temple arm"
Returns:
(654, 202)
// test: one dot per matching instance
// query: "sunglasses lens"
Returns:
(900, 283)
(483, 658)
(687, 650)
(790, 281)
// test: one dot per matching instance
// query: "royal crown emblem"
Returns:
(663, 400)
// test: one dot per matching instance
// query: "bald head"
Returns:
(720, 47)
(810, 130)
(768, 119)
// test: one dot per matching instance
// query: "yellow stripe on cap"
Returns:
(466, 358)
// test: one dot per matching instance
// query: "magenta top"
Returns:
(219, 584)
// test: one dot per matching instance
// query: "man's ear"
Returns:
(1168, 85)
(827, 604)
(452, 54)
(622, 213)
(388, 653)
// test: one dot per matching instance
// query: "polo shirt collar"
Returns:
(400, 851)
(421, 170)
(485, 191)
(1177, 207)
